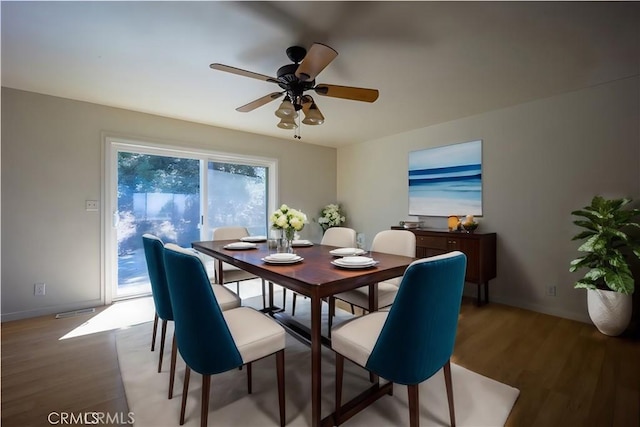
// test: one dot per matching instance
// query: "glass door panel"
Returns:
(237, 196)
(158, 195)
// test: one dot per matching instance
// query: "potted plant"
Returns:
(607, 251)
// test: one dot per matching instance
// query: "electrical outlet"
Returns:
(91, 205)
(39, 289)
(551, 290)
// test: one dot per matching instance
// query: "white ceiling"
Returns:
(432, 61)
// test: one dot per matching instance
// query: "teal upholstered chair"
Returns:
(154, 254)
(212, 341)
(414, 339)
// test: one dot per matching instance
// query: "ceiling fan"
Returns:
(297, 78)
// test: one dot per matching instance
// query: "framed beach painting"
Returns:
(446, 180)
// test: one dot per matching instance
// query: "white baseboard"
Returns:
(553, 311)
(52, 310)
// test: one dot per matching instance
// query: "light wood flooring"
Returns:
(567, 372)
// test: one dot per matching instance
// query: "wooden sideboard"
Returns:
(480, 249)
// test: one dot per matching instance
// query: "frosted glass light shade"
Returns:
(287, 123)
(313, 116)
(286, 109)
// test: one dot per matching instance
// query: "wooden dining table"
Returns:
(317, 278)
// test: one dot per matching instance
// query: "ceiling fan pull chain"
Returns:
(297, 131)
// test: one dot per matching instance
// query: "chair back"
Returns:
(228, 233)
(154, 254)
(418, 336)
(395, 242)
(339, 236)
(204, 340)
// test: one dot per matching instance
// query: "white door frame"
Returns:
(113, 144)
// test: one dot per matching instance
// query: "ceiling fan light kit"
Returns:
(313, 116)
(287, 123)
(297, 78)
(286, 109)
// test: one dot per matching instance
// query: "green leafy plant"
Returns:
(607, 245)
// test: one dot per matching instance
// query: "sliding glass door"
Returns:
(179, 196)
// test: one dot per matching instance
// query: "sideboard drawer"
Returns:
(433, 242)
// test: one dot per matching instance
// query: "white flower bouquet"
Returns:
(331, 216)
(289, 220)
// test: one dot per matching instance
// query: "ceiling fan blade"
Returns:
(347, 92)
(317, 58)
(241, 72)
(259, 102)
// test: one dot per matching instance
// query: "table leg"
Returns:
(220, 273)
(373, 297)
(270, 295)
(316, 361)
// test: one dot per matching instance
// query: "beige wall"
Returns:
(51, 164)
(541, 160)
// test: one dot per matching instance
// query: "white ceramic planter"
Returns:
(609, 311)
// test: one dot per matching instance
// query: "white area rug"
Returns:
(479, 401)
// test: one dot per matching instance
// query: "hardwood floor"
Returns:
(567, 372)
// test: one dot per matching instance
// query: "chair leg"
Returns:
(172, 372)
(249, 390)
(164, 333)
(185, 391)
(280, 369)
(449, 385)
(204, 408)
(264, 296)
(155, 327)
(238, 288)
(293, 304)
(339, 376)
(284, 298)
(332, 312)
(414, 406)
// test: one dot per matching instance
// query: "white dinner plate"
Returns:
(255, 239)
(281, 256)
(337, 263)
(347, 251)
(299, 243)
(240, 245)
(361, 260)
(270, 260)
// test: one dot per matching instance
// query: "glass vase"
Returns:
(285, 241)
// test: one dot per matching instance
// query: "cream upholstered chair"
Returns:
(342, 237)
(154, 255)
(414, 339)
(213, 341)
(396, 242)
(232, 273)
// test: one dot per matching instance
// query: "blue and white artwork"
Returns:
(446, 180)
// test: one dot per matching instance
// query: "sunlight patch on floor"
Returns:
(122, 314)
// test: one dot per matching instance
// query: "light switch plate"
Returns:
(91, 205)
